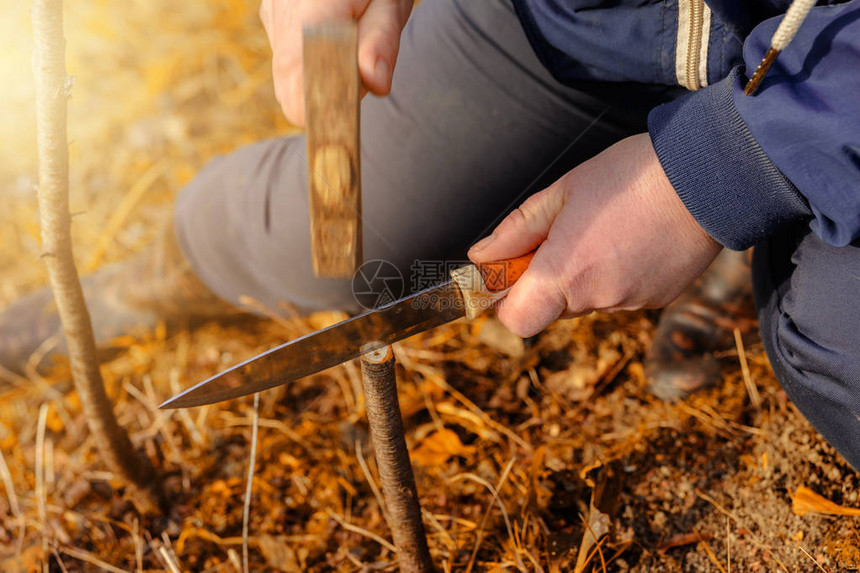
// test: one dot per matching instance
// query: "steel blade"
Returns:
(328, 347)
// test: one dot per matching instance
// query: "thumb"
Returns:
(532, 303)
(523, 230)
(379, 43)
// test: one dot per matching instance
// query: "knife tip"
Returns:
(187, 399)
(172, 403)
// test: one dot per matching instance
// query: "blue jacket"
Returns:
(744, 166)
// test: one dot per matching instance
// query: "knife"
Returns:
(470, 290)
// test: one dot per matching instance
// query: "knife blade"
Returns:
(470, 290)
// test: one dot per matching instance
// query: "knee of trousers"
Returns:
(808, 300)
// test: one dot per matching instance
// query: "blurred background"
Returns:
(158, 89)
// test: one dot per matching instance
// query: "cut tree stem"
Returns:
(52, 92)
(392, 458)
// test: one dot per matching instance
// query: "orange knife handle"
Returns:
(501, 275)
(482, 285)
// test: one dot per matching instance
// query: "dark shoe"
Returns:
(700, 322)
(125, 298)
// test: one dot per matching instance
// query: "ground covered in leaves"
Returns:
(522, 449)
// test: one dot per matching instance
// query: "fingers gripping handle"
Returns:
(484, 284)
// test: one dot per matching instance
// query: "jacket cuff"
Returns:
(719, 171)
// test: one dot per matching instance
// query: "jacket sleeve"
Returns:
(746, 166)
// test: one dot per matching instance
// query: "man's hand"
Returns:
(613, 235)
(380, 23)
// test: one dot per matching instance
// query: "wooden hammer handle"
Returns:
(332, 96)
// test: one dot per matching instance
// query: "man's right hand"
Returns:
(380, 23)
(610, 235)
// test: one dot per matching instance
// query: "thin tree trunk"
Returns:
(392, 458)
(52, 92)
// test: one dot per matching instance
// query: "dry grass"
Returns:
(507, 445)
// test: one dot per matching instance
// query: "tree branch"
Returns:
(392, 458)
(52, 92)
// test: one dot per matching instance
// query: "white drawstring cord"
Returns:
(785, 32)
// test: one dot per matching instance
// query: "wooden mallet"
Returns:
(332, 98)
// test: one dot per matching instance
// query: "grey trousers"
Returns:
(473, 125)
(808, 300)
